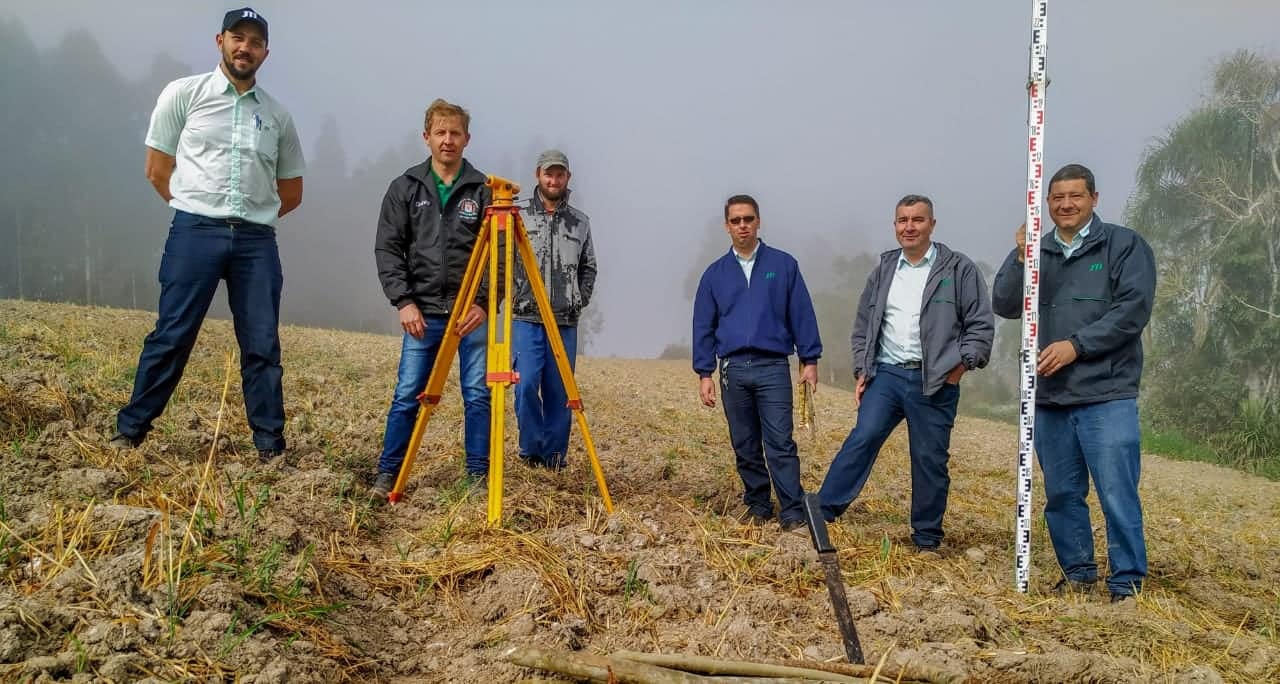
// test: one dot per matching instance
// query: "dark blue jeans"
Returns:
(199, 253)
(756, 393)
(416, 358)
(891, 395)
(541, 409)
(1099, 440)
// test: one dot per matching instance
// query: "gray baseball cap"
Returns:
(552, 158)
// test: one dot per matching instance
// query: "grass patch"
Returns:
(1174, 444)
(1000, 413)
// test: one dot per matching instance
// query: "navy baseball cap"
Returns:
(230, 19)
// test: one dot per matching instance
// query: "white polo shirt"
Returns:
(230, 148)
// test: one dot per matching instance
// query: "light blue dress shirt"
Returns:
(900, 331)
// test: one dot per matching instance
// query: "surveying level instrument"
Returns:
(501, 220)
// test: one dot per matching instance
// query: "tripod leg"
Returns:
(562, 358)
(440, 368)
(500, 376)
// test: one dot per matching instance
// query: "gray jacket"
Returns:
(956, 325)
(561, 243)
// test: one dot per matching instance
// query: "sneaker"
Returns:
(1067, 585)
(927, 548)
(556, 462)
(269, 456)
(793, 525)
(1118, 598)
(123, 442)
(477, 481)
(383, 484)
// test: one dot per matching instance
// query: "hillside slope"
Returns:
(186, 559)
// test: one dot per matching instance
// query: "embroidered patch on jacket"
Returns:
(468, 210)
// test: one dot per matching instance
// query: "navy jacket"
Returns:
(771, 314)
(1100, 299)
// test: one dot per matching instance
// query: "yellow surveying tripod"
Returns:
(501, 218)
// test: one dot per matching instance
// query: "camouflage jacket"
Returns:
(561, 242)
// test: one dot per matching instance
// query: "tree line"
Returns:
(1207, 198)
(81, 224)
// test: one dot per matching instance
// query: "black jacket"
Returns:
(421, 248)
(1100, 299)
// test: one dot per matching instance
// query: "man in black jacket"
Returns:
(431, 216)
(1097, 285)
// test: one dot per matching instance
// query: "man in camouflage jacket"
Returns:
(561, 239)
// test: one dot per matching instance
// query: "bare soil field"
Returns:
(187, 560)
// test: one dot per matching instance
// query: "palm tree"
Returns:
(1208, 199)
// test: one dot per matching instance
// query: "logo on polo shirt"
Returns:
(468, 210)
(1095, 266)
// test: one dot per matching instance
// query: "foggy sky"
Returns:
(827, 112)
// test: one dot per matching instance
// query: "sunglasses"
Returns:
(739, 220)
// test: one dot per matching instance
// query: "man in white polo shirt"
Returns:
(225, 155)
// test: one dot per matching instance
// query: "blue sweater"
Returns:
(771, 314)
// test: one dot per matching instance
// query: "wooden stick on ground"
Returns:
(716, 666)
(623, 671)
(830, 672)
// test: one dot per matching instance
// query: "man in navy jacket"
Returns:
(1097, 286)
(752, 310)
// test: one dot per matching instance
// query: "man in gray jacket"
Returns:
(923, 321)
(561, 238)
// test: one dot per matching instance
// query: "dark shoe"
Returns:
(477, 481)
(532, 461)
(556, 462)
(793, 525)
(382, 485)
(1118, 598)
(1067, 585)
(269, 456)
(123, 442)
(750, 516)
(928, 548)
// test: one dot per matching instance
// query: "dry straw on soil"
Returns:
(186, 559)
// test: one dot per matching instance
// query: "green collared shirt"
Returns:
(443, 189)
(230, 148)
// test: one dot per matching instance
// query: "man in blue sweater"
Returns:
(751, 312)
